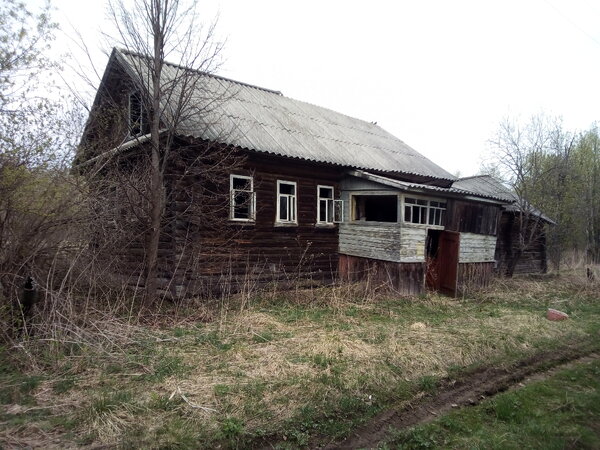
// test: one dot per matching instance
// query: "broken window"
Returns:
(243, 204)
(136, 114)
(375, 208)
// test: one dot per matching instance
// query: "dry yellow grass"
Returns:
(263, 364)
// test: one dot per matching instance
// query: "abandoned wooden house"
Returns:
(312, 193)
(529, 244)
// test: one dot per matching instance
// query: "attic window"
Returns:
(136, 114)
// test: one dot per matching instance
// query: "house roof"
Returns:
(266, 121)
(485, 185)
(488, 185)
(428, 189)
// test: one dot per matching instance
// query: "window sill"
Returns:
(325, 225)
(285, 224)
(422, 225)
(242, 222)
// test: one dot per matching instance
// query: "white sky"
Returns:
(438, 74)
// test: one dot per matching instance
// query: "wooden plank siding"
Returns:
(405, 278)
(375, 240)
(476, 248)
(472, 276)
(470, 217)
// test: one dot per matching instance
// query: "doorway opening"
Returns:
(432, 245)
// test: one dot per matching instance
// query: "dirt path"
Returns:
(470, 390)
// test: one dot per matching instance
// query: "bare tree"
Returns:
(528, 158)
(177, 98)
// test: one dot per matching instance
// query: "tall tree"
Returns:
(160, 30)
(526, 156)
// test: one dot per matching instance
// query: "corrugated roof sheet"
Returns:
(419, 187)
(488, 185)
(266, 121)
(485, 185)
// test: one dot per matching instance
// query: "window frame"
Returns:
(428, 209)
(329, 205)
(130, 124)
(232, 191)
(293, 197)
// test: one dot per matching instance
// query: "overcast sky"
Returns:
(438, 74)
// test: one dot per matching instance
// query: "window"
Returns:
(242, 203)
(329, 211)
(286, 202)
(437, 213)
(136, 114)
(325, 204)
(375, 208)
(423, 212)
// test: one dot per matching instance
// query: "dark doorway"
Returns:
(448, 262)
(431, 259)
(442, 249)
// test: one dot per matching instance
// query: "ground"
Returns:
(302, 368)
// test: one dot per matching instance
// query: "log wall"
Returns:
(238, 255)
(534, 258)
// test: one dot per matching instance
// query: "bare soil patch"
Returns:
(468, 391)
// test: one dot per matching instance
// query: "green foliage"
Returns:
(560, 412)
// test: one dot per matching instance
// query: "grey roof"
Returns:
(425, 188)
(266, 121)
(490, 186)
(485, 185)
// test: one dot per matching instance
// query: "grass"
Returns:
(305, 368)
(560, 412)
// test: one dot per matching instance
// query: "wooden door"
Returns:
(447, 262)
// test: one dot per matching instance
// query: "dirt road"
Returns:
(468, 391)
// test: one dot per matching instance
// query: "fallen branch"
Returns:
(185, 399)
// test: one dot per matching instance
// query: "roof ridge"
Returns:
(475, 176)
(212, 75)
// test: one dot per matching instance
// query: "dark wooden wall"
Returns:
(533, 260)
(406, 278)
(235, 255)
(471, 217)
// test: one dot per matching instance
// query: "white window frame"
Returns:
(329, 208)
(232, 192)
(428, 209)
(292, 203)
(130, 124)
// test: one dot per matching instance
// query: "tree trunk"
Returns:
(512, 263)
(157, 178)
(156, 213)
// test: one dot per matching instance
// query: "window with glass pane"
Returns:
(419, 211)
(242, 198)
(415, 210)
(325, 204)
(437, 213)
(286, 201)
